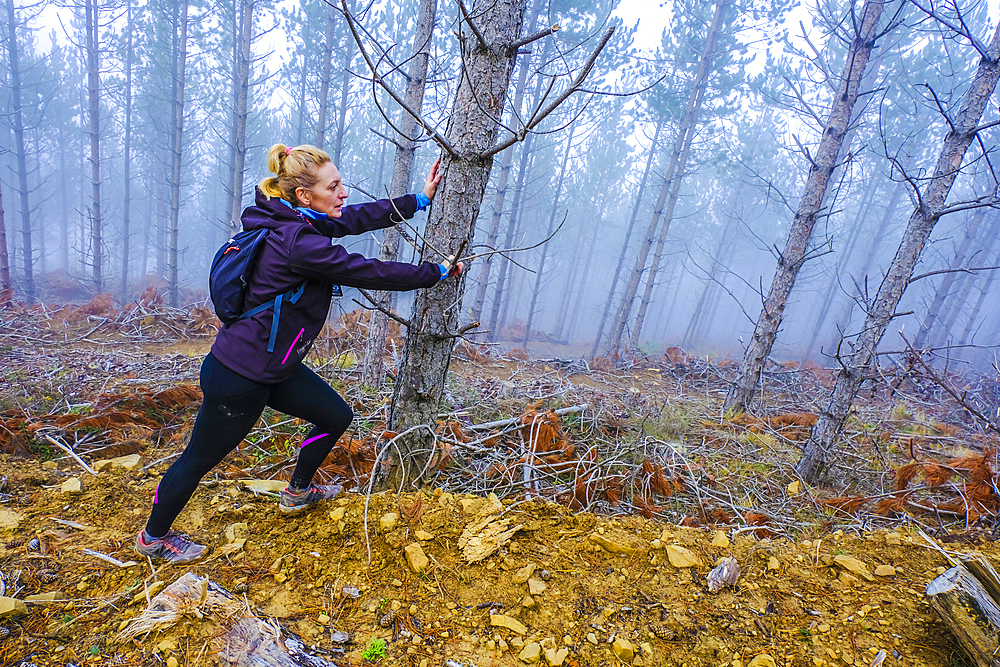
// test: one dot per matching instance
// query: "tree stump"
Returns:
(967, 598)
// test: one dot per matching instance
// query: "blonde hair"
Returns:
(293, 167)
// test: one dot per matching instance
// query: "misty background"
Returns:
(133, 133)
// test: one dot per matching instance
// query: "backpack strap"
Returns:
(292, 296)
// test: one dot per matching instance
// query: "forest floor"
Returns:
(617, 489)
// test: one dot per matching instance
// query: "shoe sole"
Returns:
(285, 509)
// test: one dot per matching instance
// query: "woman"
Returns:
(303, 207)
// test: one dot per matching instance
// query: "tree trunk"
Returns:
(345, 87)
(674, 171)
(819, 449)
(4, 258)
(524, 65)
(613, 287)
(176, 154)
(840, 266)
(94, 129)
(948, 279)
(127, 167)
(983, 291)
(842, 322)
(496, 317)
(823, 163)
(19, 148)
(472, 130)
(548, 233)
(324, 81)
(668, 217)
(958, 306)
(373, 367)
(238, 127)
(574, 313)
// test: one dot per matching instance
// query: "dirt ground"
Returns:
(604, 586)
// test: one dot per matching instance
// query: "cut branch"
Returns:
(524, 41)
(472, 26)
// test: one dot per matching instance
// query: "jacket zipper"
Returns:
(292, 346)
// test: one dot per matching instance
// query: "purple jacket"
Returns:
(298, 249)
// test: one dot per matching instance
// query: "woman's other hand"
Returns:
(433, 179)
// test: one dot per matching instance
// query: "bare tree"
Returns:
(821, 166)
(243, 39)
(673, 176)
(127, 151)
(13, 62)
(91, 23)
(373, 368)
(490, 37)
(4, 259)
(177, 145)
(963, 129)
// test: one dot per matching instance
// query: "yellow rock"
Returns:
(264, 485)
(524, 573)
(422, 535)
(794, 488)
(415, 557)
(131, 462)
(762, 660)
(530, 653)
(536, 586)
(885, 571)
(236, 531)
(623, 649)
(50, 596)
(9, 519)
(72, 486)
(680, 557)
(720, 540)
(388, 521)
(853, 565)
(773, 564)
(611, 545)
(512, 624)
(337, 513)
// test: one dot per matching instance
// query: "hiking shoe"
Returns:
(296, 501)
(173, 547)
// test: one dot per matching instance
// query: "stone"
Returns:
(536, 586)
(129, 463)
(646, 648)
(337, 513)
(853, 565)
(388, 521)
(680, 557)
(422, 535)
(512, 624)
(50, 596)
(795, 488)
(885, 571)
(893, 539)
(103, 465)
(623, 649)
(264, 485)
(153, 589)
(548, 643)
(611, 545)
(556, 657)
(530, 653)
(527, 602)
(762, 660)
(415, 557)
(50, 465)
(236, 531)
(592, 638)
(172, 662)
(773, 564)
(166, 646)
(9, 519)
(12, 607)
(721, 540)
(72, 486)
(522, 575)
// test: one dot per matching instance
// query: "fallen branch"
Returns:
(514, 420)
(71, 453)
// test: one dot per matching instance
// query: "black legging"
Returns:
(231, 407)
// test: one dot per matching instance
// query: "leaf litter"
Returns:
(667, 536)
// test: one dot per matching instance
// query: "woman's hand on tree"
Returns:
(433, 179)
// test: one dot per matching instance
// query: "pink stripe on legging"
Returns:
(156, 495)
(313, 439)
